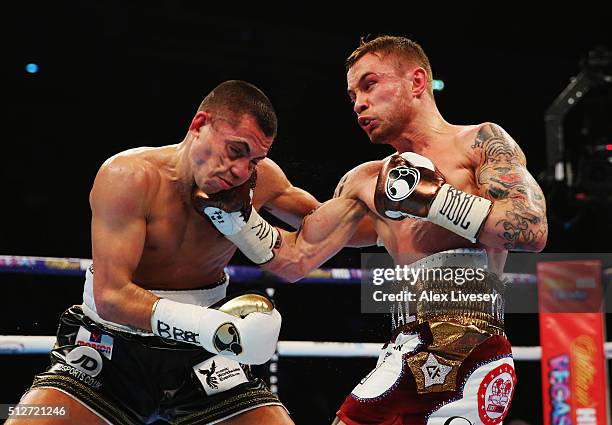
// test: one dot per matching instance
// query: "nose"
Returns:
(360, 105)
(241, 169)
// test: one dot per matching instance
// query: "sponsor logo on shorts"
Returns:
(83, 377)
(434, 371)
(227, 339)
(211, 379)
(85, 359)
(495, 393)
(101, 342)
(219, 374)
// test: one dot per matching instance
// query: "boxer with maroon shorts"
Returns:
(452, 196)
(156, 337)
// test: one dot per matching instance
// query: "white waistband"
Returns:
(461, 257)
(202, 297)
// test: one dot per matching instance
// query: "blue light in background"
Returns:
(31, 68)
(437, 85)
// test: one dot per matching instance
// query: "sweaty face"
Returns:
(380, 92)
(224, 154)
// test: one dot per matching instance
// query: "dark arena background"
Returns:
(85, 80)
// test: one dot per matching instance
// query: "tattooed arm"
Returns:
(518, 218)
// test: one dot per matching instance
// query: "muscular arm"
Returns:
(365, 233)
(292, 204)
(279, 197)
(518, 218)
(323, 233)
(119, 207)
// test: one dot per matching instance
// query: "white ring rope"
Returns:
(25, 344)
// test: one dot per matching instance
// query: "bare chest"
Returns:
(182, 249)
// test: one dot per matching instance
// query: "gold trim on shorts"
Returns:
(248, 400)
(89, 397)
(226, 408)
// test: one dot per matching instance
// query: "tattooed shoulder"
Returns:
(502, 176)
(501, 162)
(493, 139)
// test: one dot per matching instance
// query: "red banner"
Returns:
(574, 376)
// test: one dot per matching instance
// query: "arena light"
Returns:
(438, 85)
(31, 68)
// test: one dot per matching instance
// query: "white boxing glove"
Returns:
(244, 328)
(232, 213)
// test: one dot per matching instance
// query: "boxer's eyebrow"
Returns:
(246, 147)
(359, 82)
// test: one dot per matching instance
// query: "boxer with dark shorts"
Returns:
(155, 337)
(447, 189)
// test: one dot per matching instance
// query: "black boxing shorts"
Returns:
(133, 379)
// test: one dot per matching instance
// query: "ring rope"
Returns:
(25, 344)
(77, 266)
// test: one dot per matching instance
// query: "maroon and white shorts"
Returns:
(485, 382)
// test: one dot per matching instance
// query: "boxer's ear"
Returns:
(420, 81)
(200, 119)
